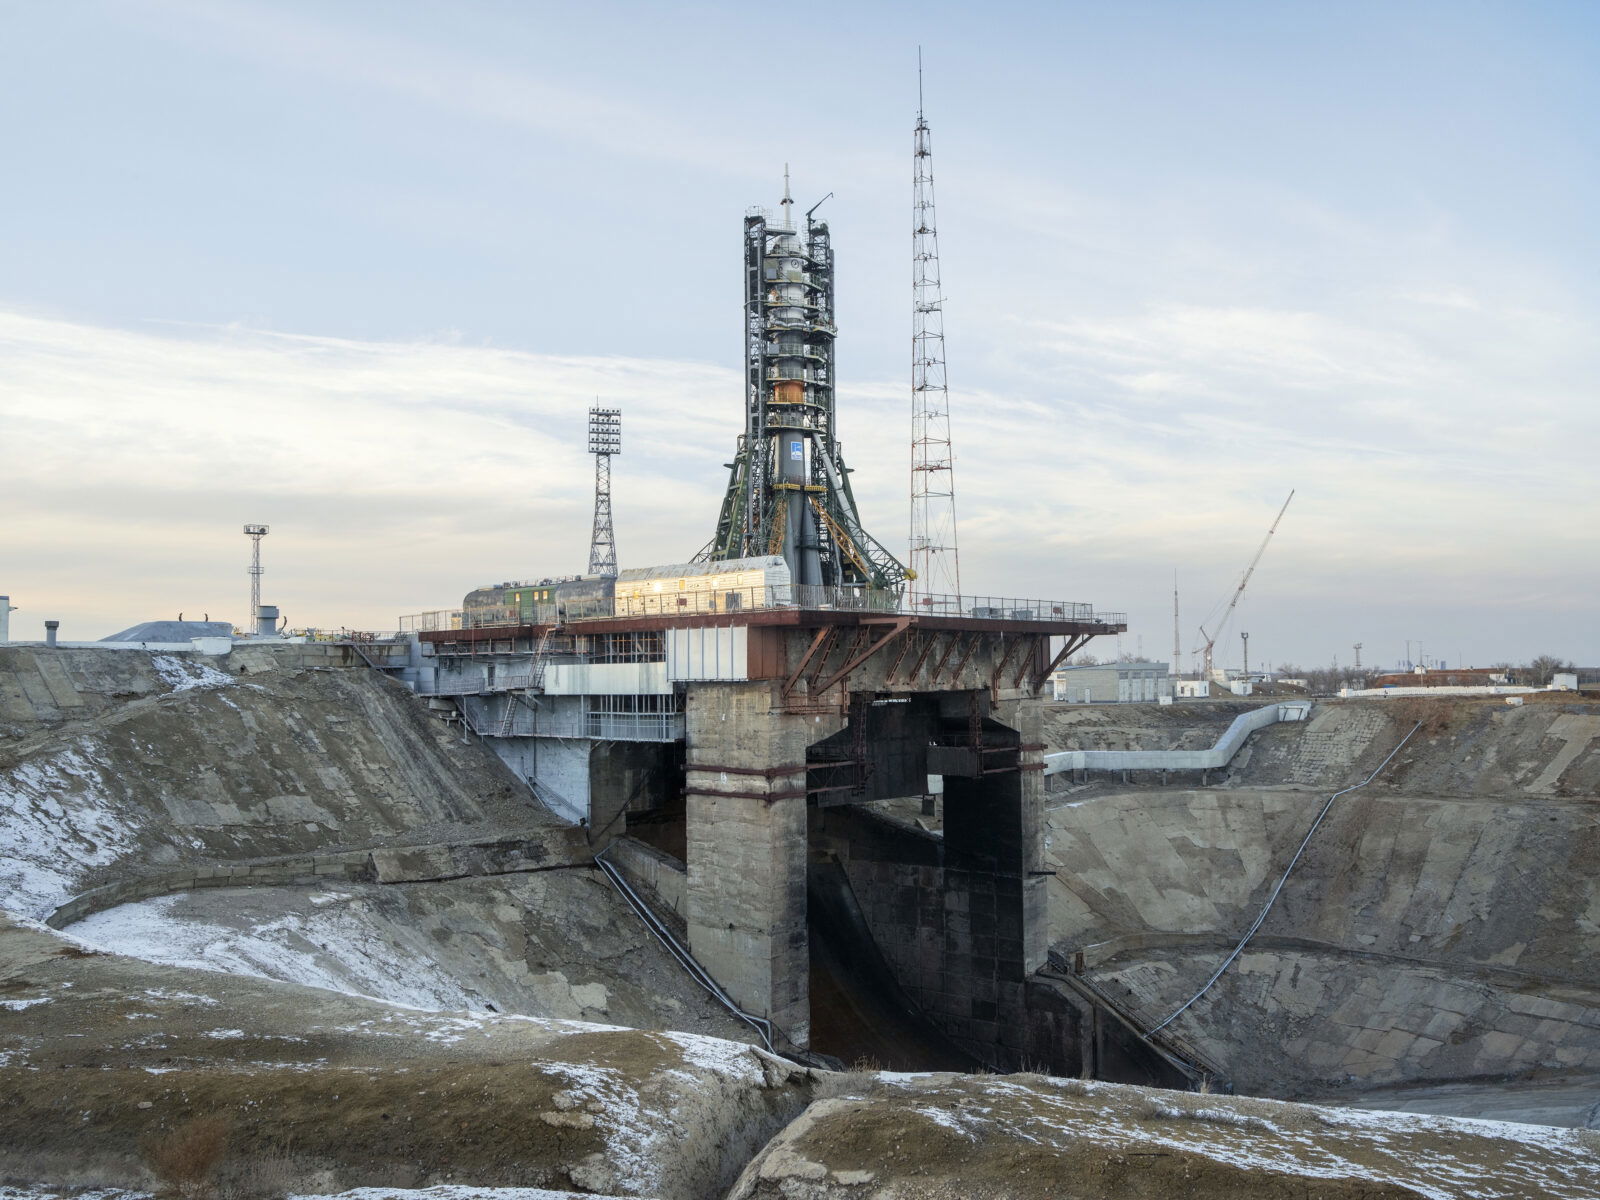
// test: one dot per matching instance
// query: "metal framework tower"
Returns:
(605, 439)
(935, 561)
(789, 490)
(255, 533)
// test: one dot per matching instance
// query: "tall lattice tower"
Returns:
(935, 563)
(605, 439)
(255, 533)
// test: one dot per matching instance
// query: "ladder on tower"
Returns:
(508, 718)
(540, 653)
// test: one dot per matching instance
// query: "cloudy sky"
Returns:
(356, 270)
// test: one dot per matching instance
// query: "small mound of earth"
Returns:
(1028, 1137)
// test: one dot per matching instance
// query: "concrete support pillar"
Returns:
(746, 835)
(998, 929)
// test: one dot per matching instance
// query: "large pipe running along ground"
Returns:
(1278, 888)
(1220, 755)
(678, 951)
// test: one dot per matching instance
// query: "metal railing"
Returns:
(432, 622)
(634, 727)
(845, 599)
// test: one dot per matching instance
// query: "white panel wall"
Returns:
(694, 654)
(606, 679)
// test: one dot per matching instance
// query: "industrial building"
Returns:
(1112, 683)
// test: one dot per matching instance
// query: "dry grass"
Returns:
(1433, 715)
(185, 1161)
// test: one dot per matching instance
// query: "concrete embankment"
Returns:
(434, 882)
(256, 814)
(1426, 935)
(119, 764)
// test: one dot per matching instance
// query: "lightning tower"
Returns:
(935, 563)
(605, 439)
(789, 490)
(255, 533)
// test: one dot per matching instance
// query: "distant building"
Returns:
(1454, 677)
(1113, 683)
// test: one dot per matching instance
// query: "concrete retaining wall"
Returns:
(662, 878)
(391, 864)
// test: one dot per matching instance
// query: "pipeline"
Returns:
(1278, 888)
(1202, 1074)
(681, 952)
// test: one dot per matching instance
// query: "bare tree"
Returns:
(1542, 670)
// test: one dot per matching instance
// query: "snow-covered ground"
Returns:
(58, 807)
(443, 1192)
(339, 945)
(57, 817)
(1308, 1141)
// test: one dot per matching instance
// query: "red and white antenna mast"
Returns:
(935, 564)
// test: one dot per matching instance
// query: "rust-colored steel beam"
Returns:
(1026, 660)
(929, 640)
(1068, 648)
(857, 657)
(938, 667)
(966, 657)
(899, 659)
(1005, 661)
(820, 664)
(805, 659)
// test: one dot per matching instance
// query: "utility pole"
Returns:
(255, 533)
(1173, 669)
(935, 566)
(605, 439)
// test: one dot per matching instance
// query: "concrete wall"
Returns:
(746, 831)
(662, 879)
(1478, 748)
(1423, 937)
(960, 918)
(395, 864)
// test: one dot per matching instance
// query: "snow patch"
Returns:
(449, 1191)
(338, 947)
(57, 818)
(180, 675)
(19, 1005)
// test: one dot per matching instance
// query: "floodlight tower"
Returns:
(605, 439)
(255, 533)
(935, 563)
(789, 490)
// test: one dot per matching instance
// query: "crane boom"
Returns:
(1227, 615)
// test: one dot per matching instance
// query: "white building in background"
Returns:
(1113, 683)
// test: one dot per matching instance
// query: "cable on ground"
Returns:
(1273, 897)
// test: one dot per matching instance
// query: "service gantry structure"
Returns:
(789, 490)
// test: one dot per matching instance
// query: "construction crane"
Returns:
(1227, 614)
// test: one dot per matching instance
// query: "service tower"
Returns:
(789, 491)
